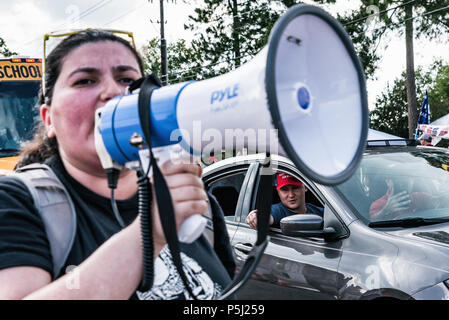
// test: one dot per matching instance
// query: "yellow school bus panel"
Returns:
(7, 164)
(19, 75)
(20, 69)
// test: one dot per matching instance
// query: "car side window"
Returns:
(226, 190)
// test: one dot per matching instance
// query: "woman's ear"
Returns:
(46, 119)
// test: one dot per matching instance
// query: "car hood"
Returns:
(437, 234)
(422, 252)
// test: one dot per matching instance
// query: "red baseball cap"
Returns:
(284, 179)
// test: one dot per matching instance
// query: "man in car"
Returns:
(292, 192)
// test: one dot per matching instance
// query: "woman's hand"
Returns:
(187, 193)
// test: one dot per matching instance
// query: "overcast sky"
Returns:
(24, 22)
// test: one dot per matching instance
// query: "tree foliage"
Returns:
(228, 33)
(415, 19)
(4, 51)
(439, 94)
(390, 114)
(179, 57)
(430, 17)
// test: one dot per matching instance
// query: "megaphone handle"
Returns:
(193, 226)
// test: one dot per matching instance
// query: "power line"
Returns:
(346, 24)
(237, 15)
(87, 12)
(380, 12)
(243, 26)
(126, 13)
(412, 18)
(391, 24)
(209, 65)
(83, 14)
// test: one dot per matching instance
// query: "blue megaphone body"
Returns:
(120, 121)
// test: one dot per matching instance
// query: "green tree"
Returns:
(439, 93)
(4, 51)
(179, 57)
(365, 41)
(439, 97)
(414, 19)
(391, 112)
(229, 33)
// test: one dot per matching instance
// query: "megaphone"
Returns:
(306, 85)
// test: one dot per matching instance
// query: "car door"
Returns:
(228, 185)
(291, 267)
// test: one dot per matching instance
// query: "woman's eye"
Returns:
(84, 82)
(126, 81)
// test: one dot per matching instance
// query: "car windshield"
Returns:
(17, 113)
(400, 185)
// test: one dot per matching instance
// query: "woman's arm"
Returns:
(114, 270)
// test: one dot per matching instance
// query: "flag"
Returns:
(423, 115)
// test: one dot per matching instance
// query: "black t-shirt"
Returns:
(23, 241)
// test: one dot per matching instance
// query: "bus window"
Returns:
(17, 113)
(19, 86)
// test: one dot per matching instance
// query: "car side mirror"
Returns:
(306, 225)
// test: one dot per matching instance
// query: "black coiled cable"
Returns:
(145, 196)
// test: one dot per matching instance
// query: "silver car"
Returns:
(384, 232)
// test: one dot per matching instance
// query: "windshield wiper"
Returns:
(407, 223)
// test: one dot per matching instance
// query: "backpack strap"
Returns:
(55, 207)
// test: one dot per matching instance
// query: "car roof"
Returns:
(373, 147)
(240, 160)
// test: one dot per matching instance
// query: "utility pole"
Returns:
(164, 63)
(410, 70)
(235, 34)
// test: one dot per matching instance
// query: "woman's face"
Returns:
(90, 75)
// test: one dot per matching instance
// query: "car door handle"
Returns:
(243, 247)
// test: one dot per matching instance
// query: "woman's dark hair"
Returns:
(42, 147)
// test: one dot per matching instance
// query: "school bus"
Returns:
(20, 80)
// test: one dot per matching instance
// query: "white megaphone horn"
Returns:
(307, 85)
